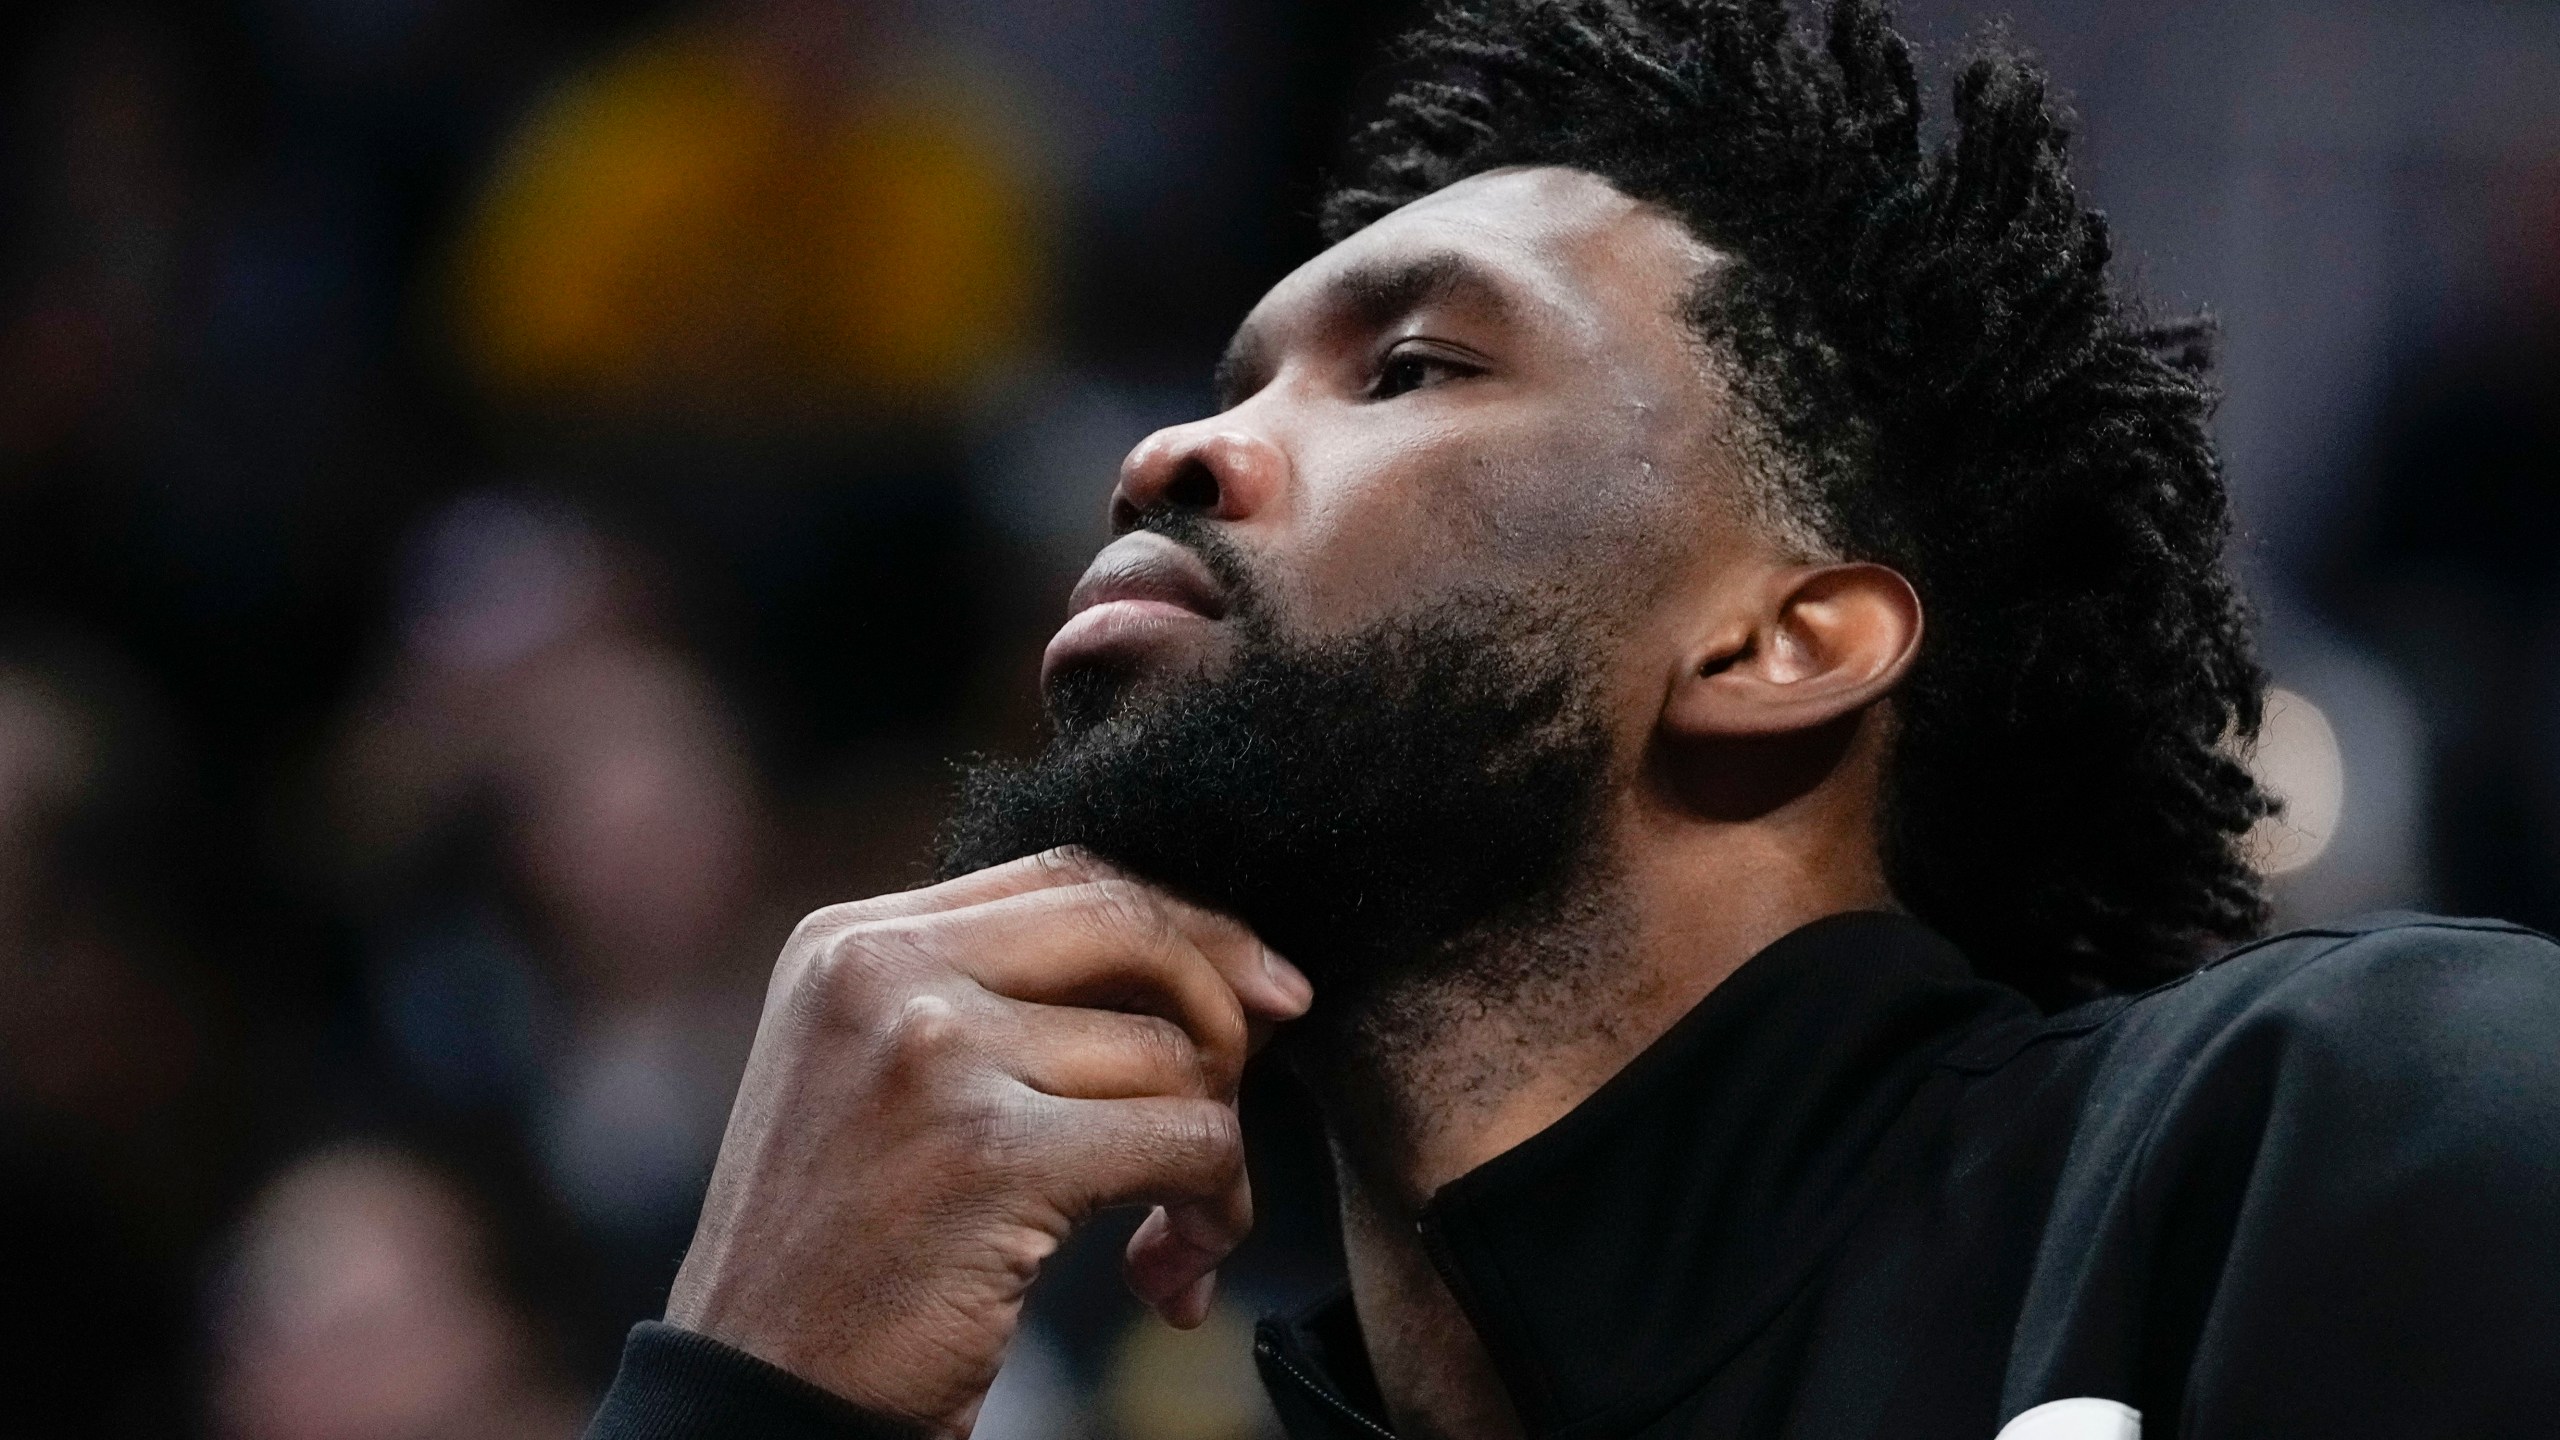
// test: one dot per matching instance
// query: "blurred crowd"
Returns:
(505, 504)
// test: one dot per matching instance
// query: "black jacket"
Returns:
(2312, 1190)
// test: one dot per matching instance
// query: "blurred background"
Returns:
(505, 504)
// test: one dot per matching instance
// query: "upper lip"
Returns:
(1143, 565)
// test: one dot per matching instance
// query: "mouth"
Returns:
(1144, 595)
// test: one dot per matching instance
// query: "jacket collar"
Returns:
(1617, 1259)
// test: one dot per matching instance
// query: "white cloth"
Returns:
(2081, 1419)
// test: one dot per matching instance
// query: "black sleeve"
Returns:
(2393, 1267)
(677, 1385)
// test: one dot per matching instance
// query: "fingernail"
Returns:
(1193, 1307)
(1292, 985)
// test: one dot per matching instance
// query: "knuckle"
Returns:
(1023, 1247)
(922, 1033)
(995, 1133)
(1206, 1135)
(876, 955)
(836, 979)
(802, 951)
(1226, 1018)
(1167, 1047)
(1067, 863)
(819, 924)
(1224, 1038)
(1223, 925)
(1124, 910)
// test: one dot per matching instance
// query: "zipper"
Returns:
(1308, 1383)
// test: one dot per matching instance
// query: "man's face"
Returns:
(1492, 388)
(1379, 636)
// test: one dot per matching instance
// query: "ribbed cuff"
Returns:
(677, 1385)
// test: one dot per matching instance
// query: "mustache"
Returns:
(1079, 700)
(1224, 559)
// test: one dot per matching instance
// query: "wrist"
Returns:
(681, 1384)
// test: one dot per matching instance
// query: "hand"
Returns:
(946, 1083)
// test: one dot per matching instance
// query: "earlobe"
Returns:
(1812, 645)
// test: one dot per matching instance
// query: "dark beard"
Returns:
(1369, 805)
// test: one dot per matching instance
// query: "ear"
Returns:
(1808, 645)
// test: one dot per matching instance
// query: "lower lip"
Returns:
(1116, 625)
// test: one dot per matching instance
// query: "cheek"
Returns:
(1380, 518)
(1585, 488)
(1555, 501)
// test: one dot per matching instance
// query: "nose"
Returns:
(1211, 467)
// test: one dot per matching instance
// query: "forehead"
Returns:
(1545, 240)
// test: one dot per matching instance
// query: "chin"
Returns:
(1088, 693)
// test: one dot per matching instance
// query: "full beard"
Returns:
(1412, 814)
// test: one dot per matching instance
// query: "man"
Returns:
(1698, 633)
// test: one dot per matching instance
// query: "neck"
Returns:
(1428, 1077)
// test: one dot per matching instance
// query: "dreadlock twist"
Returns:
(1928, 335)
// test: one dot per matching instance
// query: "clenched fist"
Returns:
(944, 1085)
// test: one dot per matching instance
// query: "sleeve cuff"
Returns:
(678, 1385)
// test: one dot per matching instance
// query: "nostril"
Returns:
(1193, 489)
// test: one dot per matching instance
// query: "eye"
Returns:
(1407, 369)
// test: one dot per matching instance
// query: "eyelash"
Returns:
(1382, 389)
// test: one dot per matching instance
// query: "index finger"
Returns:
(1047, 870)
(1269, 987)
(1111, 944)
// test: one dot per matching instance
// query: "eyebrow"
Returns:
(1372, 295)
(1381, 292)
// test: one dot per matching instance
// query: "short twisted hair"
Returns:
(1927, 339)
